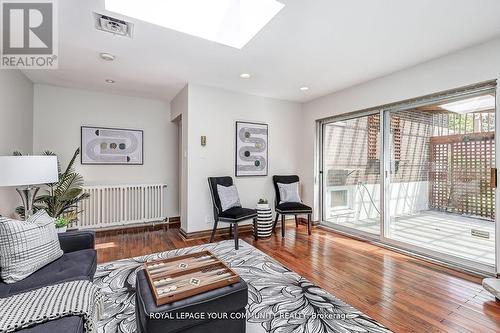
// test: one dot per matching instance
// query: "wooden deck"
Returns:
(440, 232)
(401, 292)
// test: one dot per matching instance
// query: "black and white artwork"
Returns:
(251, 149)
(279, 300)
(102, 145)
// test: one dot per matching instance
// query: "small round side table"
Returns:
(264, 221)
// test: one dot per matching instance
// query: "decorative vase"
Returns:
(264, 221)
(61, 229)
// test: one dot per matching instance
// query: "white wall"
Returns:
(473, 65)
(179, 105)
(59, 113)
(213, 112)
(179, 114)
(16, 126)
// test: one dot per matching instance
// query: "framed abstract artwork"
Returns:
(251, 149)
(114, 146)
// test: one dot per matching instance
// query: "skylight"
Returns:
(229, 22)
(474, 104)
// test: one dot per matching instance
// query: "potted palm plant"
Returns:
(60, 200)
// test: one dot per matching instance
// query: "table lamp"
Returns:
(25, 172)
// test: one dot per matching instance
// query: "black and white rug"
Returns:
(279, 300)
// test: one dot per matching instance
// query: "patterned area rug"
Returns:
(272, 290)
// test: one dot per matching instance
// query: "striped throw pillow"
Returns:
(26, 246)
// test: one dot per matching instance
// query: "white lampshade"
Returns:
(28, 170)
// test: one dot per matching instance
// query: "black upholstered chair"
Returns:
(289, 208)
(232, 215)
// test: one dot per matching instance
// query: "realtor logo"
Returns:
(29, 36)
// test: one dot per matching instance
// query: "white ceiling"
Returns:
(325, 44)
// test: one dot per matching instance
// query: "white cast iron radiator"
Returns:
(118, 205)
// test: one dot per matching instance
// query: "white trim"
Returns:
(319, 168)
(385, 170)
(497, 194)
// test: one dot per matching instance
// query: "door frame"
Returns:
(382, 238)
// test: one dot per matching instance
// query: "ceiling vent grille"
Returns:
(113, 25)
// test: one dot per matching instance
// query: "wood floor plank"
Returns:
(401, 292)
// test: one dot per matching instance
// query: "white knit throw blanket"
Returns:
(75, 298)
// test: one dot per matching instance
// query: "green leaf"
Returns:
(61, 198)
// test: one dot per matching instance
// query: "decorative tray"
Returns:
(180, 277)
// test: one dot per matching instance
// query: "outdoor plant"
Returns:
(262, 201)
(60, 200)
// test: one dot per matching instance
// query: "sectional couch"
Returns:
(79, 262)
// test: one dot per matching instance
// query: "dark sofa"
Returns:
(79, 262)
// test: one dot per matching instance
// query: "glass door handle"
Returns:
(493, 178)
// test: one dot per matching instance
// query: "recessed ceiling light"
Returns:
(304, 88)
(110, 81)
(107, 56)
(245, 75)
(229, 22)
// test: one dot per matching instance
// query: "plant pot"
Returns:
(264, 221)
(62, 229)
(262, 206)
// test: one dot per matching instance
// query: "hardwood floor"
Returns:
(401, 292)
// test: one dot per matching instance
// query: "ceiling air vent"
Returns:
(113, 25)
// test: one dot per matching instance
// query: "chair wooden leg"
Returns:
(296, 221)
(236, 246)
(282, 225)
(213, 231)
(255, 234)
(309, 224)
(276, 221)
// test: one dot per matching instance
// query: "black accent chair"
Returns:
(289, 208)
(232, 215)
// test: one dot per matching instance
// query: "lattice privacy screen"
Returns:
(460, 174)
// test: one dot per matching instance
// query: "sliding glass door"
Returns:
(420, 176)
(351, 173)
(442, 195)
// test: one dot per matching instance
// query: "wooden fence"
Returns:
(460, 173)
